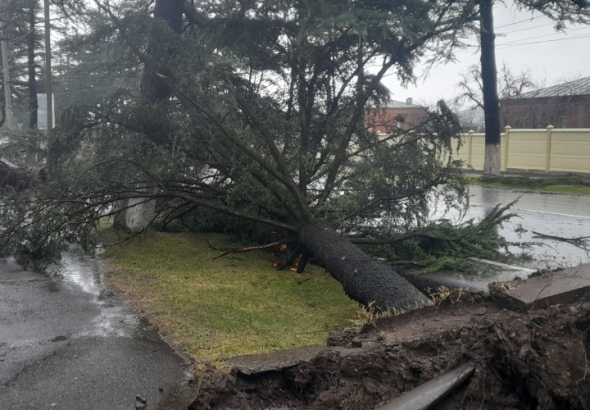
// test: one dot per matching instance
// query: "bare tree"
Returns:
(511, 85)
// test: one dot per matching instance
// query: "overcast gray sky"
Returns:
(549, 55)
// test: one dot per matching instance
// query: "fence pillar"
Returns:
(470, 153)
(549, 144)
(506, 148)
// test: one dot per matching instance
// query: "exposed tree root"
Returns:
(535, 360)
(295, 254)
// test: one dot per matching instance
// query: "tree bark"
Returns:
(170, 11)
(489, 77)
(33, 103)
(363, 278)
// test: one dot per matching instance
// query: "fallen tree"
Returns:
(258, 119)
(364, 278)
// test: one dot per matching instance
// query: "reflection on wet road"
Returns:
(550, 214)
(66, 342)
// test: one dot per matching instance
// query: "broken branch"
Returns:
(579, 241)
(250, 248)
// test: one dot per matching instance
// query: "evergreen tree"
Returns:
(251, 113)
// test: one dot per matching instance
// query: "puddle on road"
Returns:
(86, 272)
(81, 268)
(113, 321)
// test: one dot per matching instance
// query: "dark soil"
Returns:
(534, 360)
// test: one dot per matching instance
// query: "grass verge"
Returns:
(566, 185)
(235, 305)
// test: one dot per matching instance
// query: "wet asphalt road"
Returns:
(68, 343)
(551, 214)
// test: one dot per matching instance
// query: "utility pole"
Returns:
(6, 72)
(48, 90)
(489, 77)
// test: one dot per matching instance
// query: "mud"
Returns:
(532, 360)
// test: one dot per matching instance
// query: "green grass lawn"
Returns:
(565, 185)
(235, 305)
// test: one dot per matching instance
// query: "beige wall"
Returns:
(550, 149)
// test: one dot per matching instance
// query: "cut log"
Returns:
(363, 278)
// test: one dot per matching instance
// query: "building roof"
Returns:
(576, 87)
(399, 104)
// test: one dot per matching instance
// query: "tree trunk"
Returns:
(120, 222)
(136, 218)
(489, 77)
(170, 11)
(364, 279)
(33, 103)
(48, 77)
(6, 77)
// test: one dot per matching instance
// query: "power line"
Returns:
(528, 28)
(517, 42)
(518, 22)
(546, 35)
(545, 41)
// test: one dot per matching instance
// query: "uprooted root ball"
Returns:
(535, 360)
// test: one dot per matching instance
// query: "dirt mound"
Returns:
(534, 360)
